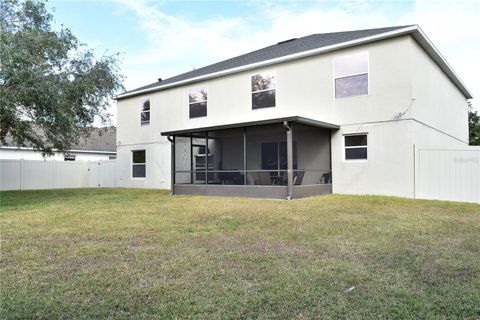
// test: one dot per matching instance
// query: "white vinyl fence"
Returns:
(37, 174)
(448, 174)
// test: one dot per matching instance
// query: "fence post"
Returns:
(414, 173)
(88, 174)
(99, 174)
(54, 173)
(21, 174)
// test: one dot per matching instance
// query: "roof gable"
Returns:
(298, 48)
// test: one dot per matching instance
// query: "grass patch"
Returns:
(120, 253)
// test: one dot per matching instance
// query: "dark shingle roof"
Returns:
(100, 139)
(280, 49)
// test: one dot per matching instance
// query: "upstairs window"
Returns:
(138, 164)
(263, 90)
(351, 75)
(145, 113)
(197, 100)
(356, 147)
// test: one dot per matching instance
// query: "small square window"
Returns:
(197, 101)
(263, 90)
(138, 164)
(356, 147)
(145, 113)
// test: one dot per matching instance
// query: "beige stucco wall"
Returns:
(157, 166)
(425, 136)
(398, 71)
(438, 102)
(304, 87)
(389, 168)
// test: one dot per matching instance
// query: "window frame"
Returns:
(138, 164)
(196, 102)
(345, 147)
(145, 123)
(258, 91)
(279, 144)
(351, 75)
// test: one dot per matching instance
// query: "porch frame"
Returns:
(257, 191)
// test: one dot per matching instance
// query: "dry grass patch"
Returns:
(119, 253)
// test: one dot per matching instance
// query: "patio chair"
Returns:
(298, 177)
(252, 177)
(326, 178)
(263, 178)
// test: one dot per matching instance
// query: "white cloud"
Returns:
(178, 44)
(455, 30)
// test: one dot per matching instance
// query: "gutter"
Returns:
(415, 30)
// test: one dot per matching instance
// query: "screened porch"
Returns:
(281, 158)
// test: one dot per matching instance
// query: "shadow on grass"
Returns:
(12, 200)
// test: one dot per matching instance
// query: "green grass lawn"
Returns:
(120, 253)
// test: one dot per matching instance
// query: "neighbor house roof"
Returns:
(99, 140)
(299, 48)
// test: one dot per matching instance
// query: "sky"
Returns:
(159, 39)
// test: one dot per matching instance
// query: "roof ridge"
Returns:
(369, 29)
(283, 48)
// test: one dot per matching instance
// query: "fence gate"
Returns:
(19, 174)
(101, 173)
(448, 174)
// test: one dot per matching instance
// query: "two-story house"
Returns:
(336, 112)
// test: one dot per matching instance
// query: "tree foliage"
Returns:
(51, 85)
(473, 126)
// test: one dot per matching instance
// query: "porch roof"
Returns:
(297, 119)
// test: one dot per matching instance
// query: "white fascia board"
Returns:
(415, 29)
(55, 150)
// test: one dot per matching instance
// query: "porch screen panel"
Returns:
(313, 155)
(200, 156)
(226, 162)
(182, 160)
(266, 157)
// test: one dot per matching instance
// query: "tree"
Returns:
(473, 126)
(51, 85)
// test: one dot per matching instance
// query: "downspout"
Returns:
(172, 159)
(289, 160)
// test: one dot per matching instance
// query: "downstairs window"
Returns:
(138, 164)
(356, 147)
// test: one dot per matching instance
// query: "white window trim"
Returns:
(274, 73)
(354, 147)
(190, 103)
(351, 75)
(145, 123)
(134, 164)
